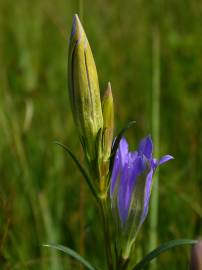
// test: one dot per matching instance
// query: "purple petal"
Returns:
(136, 166)
(148, 185)
(140, 165)
(146, 147)
(133, 168)
(164, 159)
(123, 150)
(115, 173)
(119, 161)
(124, 196)
(126, 187)
(133, 156)
(147, 193)
(154, 163)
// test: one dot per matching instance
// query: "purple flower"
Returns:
(131, 182)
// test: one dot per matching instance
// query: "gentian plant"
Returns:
(120, 180)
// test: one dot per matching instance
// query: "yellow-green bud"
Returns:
(108, 118)
(84, 89)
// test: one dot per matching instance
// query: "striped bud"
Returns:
(84, 89)
(108, 126)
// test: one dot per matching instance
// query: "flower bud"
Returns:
(108, 126)
(196, 257)
(84, 89)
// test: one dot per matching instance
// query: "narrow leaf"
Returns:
(70, 252)
(162, 248)
(117, 141)
(81, 168)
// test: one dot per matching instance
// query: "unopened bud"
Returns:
(84, 89)
(196, 257)
(108, 118)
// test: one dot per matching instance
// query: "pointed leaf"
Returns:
(117, 141)
(82, 170)
(162, 248)
(70, 252)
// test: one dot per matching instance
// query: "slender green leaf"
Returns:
(81, 168)
(117, 141)
(162, 248)
(70, 252)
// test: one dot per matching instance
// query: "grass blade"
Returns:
(70, 252)
(162, 248)
(82, 170)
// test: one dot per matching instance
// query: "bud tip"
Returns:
(108, 91)
(76, 28)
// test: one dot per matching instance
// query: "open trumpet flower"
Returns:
(131, 185)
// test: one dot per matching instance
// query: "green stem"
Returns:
(106, 231)
(122, 264)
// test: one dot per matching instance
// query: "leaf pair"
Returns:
(149, 257)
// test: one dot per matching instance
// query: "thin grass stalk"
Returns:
(16, 141)
(50, 230)
(14, 128)
(153, 233)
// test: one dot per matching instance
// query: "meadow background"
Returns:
(43, 198)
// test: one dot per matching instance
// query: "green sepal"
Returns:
(70, 252)
(162, 248)
(80, 167)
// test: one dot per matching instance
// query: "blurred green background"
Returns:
(43, 198)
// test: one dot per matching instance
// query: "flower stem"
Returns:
(106, 231)
(122, 263)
